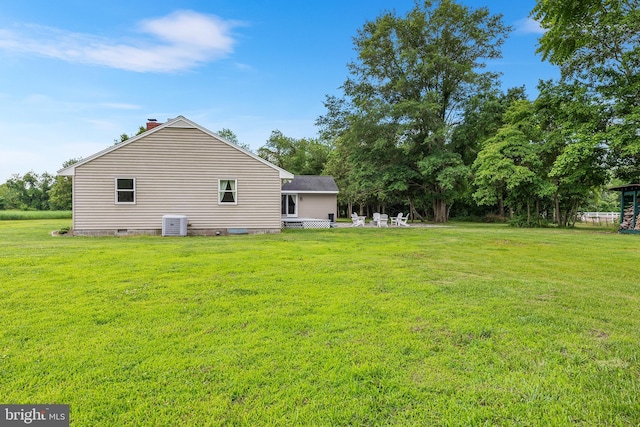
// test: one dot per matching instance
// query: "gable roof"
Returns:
(311, 184)
(178, 122)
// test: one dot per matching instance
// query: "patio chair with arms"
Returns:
(357, 220)
(375, 221)
(400, 221)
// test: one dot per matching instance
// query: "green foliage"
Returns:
(483, 116)
(466, 325)
(508, 169)
(412, 76)
(605, 200)
(123, 137)
(339, 167)
(61, 193)
(507, 163)
(446, 175)
(27, 192)
(3, 192)
(298, 156)
(598, 43)
(37, 192)
(526, 221)
(549, 154)
(573, 152)
(423, 65)
(493, 219)
(601, 34)
(230, 136)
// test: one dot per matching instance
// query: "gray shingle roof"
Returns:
(311, 183)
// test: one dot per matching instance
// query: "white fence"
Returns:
(600, 217)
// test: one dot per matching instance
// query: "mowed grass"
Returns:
(466, 325)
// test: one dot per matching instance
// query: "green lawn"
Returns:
(467, 325)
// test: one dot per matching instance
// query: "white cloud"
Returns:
(187, 28)
(179, 41)
(528, 26)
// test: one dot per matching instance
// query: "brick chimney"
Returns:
(152, 123)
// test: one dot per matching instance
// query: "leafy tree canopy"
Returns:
(598, 43)
(230, 136)
(413, 77)
(298, 156)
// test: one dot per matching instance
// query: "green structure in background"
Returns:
(629, 221)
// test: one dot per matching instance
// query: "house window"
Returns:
(126, 190)
(227, 191)
(289, 205)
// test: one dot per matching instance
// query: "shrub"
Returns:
(493, 218)
(520, 221)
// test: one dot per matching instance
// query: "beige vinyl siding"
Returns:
(316, 205)
(176, 172)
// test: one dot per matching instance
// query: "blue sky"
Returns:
(74, 75)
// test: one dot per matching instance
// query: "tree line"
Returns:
(422, 127)
(37, 192)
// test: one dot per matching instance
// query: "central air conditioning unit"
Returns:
(174, 225)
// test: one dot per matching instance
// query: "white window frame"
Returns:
(118, 190)
(296, 202)
(222, 192)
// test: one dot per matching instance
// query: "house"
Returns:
(175, 169)
(310, 196)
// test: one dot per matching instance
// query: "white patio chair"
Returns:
(383, 221)
(400, 221)
(375, 221)
(357, 220)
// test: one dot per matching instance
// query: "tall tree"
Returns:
(339, 167)
(230, 136)
(598, 43)
(508, 168)
(573, 149)
(298, 156)
(547, 153)
(28, 191)
(482, 117)
(60, 195)
(414, 74)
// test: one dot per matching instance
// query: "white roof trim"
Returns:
(178, 122)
